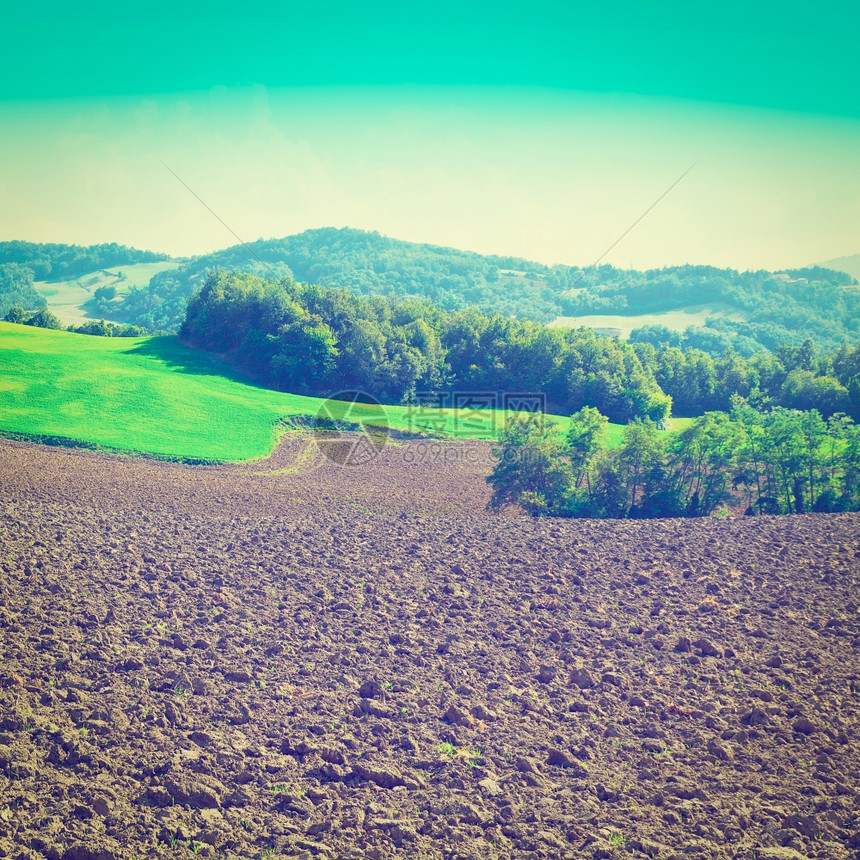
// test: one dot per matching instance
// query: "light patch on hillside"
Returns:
(68, 299)
(678, 320)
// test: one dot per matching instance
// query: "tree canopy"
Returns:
(316, 339)
(782, 307)
(780, 461)
(57, 262)
(16, 288)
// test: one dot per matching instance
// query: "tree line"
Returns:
(777, 308)
(780, 461)
(314, 339)
(43, 318)
(57, 262)
(796, 377)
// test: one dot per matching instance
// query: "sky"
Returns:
(540, 130)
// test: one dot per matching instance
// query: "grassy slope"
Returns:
(155, 396)
(67, 299)
(677, 320)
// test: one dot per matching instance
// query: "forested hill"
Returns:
(851, 265)
(54, 262)
(314, 340)
(22, 263)
(777, 308)
(366, 264)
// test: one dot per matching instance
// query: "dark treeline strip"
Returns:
(313, 339)
(781, 461)
(797, 377)
(45, 319)
(57, 262)
(103, 328)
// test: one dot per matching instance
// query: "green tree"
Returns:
(16, 315)
(752, 470)
(813, 432)
(641, 462)
(849, 445)
(785, 455)
(586, 441)
(105, 293)
(705, 463)
(44, 319)
(531, 470)
(101, 328)
(304, 356)
(804, 390)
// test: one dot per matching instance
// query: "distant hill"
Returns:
(367, 264)
(97, 295)
(55, 262)
(696, 306)
(851, 265)
(31, 272)
(750, 310)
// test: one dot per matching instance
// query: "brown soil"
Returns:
(297, 659)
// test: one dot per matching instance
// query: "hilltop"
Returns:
(365, 263)
(850, 264)
(710, 308)
(715, 308)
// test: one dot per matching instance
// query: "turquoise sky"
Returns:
(539, 129)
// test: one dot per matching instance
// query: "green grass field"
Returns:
(155, 396)
(67, 299)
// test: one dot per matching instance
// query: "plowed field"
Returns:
(297, 659)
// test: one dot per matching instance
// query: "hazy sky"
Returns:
(540, 130)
